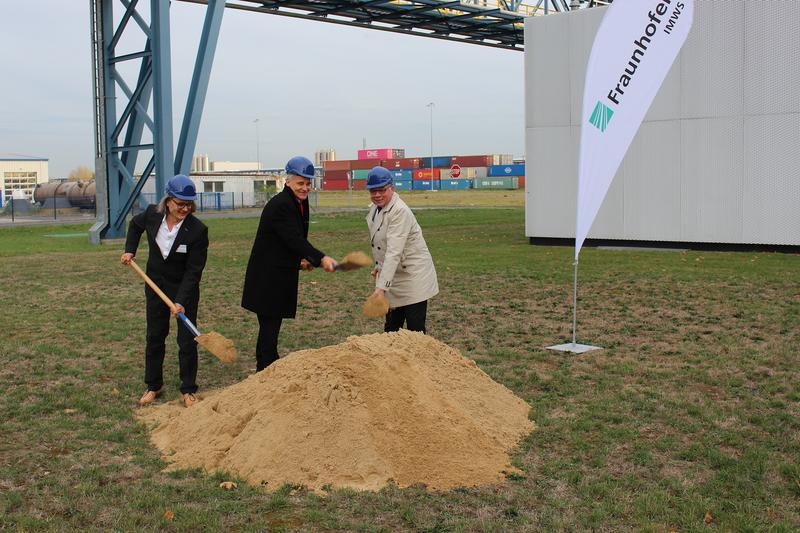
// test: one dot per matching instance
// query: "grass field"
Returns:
(467, 198)
(688, 420)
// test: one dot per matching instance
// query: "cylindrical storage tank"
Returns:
(51, 189)
(82, 194)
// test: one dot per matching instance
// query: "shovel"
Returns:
(353, 261)
(222, 348)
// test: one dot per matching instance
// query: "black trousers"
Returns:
(413, 315)
(158, 319)
(267, 345)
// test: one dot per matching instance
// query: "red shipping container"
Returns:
(336, 175)
(335, 185)
(392, 163)
(472, 160)
(359, 185)
(365, 164)
(335, 165)
(521, 182)
(423, 174)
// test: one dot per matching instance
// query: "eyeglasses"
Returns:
(182, 205)
(378, 191)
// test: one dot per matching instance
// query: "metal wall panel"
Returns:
(771, 183)
(547, 103)
(771, 57)
(652, 176)
(550, 179)
(714, 73)
(712, 175)
(582, 30)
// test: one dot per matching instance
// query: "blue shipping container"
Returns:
(455, 184)
(438, 162)
(426, 185)
(402, 185)
(506, 170)
(402, 174)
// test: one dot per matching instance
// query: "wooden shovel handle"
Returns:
(153, 286)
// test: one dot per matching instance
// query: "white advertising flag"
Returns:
(634, 48)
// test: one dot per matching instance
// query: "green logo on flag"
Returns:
(601, 116)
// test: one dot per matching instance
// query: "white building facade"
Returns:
(716, 159)
(22, 174)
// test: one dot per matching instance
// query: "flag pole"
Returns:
(573, 346)
(574, 301)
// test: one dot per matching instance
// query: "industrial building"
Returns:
(19, 175)
(715, 159)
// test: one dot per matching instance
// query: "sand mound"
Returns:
(391, 406)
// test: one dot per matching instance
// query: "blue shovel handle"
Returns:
(188, 324)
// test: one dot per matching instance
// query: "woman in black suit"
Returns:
(178, 250)
(280, 250)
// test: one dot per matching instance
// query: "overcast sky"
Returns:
(311, 85)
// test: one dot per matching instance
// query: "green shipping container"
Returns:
(360, 174)
(496, 183)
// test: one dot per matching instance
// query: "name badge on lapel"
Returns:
(181, 249)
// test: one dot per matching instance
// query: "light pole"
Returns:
(258, 146)
(431, 105)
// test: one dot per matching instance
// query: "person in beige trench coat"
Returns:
(404, 270)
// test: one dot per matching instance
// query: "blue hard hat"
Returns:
(378, 177)
(181, 187)
(300, 166)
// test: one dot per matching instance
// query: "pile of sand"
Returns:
(391, 406)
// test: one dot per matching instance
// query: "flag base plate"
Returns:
(574, 347)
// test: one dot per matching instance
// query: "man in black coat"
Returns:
(178, 250)
(280, 250)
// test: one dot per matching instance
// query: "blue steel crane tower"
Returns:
(128, 136)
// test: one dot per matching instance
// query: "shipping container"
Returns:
(422, 174)
(382, 153)
(336, 174)
(521, 182)
(438, 161)
(502, 159)
(360, 174)
(335, 185)
(425, 185)
(412, 162)
(495, 183)
(472, 160)
(403, 185)
(464, 173)
(455, 184)
(404, 174)
(335, 165)
(409, 162)
(359, 185)
(365, 164)
(506, 170)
